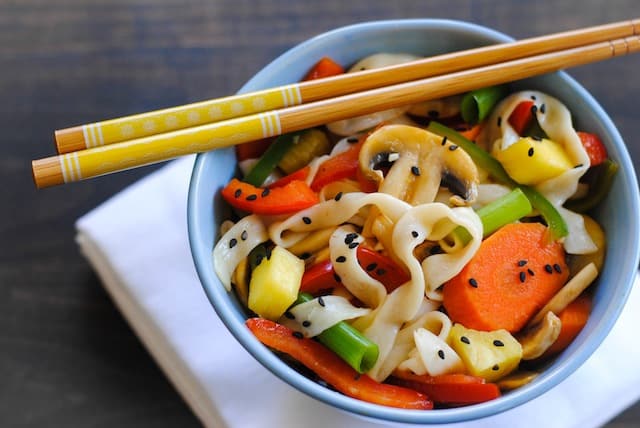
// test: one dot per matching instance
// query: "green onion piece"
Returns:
(599, 190)
(504, 210)
(270, 158)
(476, 105)
(555, 222)
(347, 342)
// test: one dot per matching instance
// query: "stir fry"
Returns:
(424, 257)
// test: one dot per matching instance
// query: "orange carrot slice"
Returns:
(511, 277)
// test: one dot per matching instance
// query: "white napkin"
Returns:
(137, 243)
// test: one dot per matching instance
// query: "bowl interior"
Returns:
(618, 215)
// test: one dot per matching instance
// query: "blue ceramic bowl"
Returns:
(619, 214)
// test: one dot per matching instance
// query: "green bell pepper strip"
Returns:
(270, 159)
(347, 342)
(599, 190)
(476, 105)
(484, 160)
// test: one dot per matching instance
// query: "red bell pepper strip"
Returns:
(595, 148)
(300, 174)
(321, 276)
(449, 389)
(326, 67)
(343, 165)
(333, 370)
(521, 117)
(290, 198)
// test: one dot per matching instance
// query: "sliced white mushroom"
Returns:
(537, 339)
(425, 162)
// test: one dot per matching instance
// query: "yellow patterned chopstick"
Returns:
(181, 117)
(156, 148)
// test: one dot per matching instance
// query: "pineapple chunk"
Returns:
(275, 283)
(488, 354)
(530, 161)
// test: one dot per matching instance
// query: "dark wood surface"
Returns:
(67, 358)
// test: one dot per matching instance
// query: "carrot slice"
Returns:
(521, 117)
(292, 197)
(511, 277)
(449, 389)
(573, 318)
(333, 370)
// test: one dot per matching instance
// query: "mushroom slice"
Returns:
(422, 162)
(540, 337)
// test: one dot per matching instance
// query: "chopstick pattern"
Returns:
(294, 114)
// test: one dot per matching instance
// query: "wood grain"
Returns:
(67, 358)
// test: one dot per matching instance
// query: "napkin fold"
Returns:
(137, 243)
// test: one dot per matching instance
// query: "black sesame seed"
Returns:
(371, 267)
(579, 166)
(534, 109)
(357, 376)
(473, 282)
(548, 268)
(306, 323)
(415, 171)
(305, 255)
(523, 277)
(414, 233)
(441, 354)
(465, 339)
(531, 272)
(237, 193)
(297, 335)
(522, 263)
(265, 192)
(341, 259)
(498, 343)
(380, 272)
(232, 242)
(444, 140)
(252, 197)
(337, 277)
(350, 237)
(289, 315)
(306, 220)
(453, 147)
(557, 268)
(533, 97)
(321, 301)
(353, 245)
(499, 121)
(495, 368)
(244, 235)
(530, 152)
(352, 140)
(543, 108)
(338, 196)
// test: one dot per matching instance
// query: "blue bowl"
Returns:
(618, 214)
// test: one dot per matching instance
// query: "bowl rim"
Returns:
(270, 361)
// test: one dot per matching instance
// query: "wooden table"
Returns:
(67, 358)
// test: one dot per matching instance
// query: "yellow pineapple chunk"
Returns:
(530, 161)
(275, 283)
(488, 354)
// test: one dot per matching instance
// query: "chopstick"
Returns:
(190, 115)
(133, 153)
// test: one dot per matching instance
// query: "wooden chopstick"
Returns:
(190, 115)
(156, 148)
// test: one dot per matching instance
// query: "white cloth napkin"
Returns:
(137, 243)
